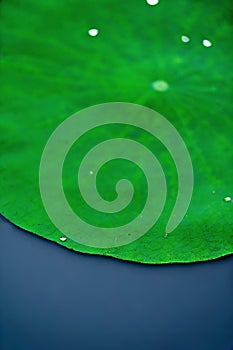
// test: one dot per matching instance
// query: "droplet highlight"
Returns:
(206, 43)
(63, 239)
(152, 2)
(227, 199)
(185, 38)
(93, 32)
(160, 85)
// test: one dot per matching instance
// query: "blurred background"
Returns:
(55, 299)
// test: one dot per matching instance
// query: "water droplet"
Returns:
(227, 199)
(91, 172)
(185, 39)
(152, 2)
(63, 239)
(213, 191)
(206, 43)
(93, 32)
(160, 85)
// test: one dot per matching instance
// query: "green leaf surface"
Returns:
(51, 68)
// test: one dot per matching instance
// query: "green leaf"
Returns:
(51, 68)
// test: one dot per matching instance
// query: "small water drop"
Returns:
(152, 2)
(227, 199)
(63, 239)
(91, 172)
(185, 38)
(93, 32)
(206, 43)
(160, 85)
